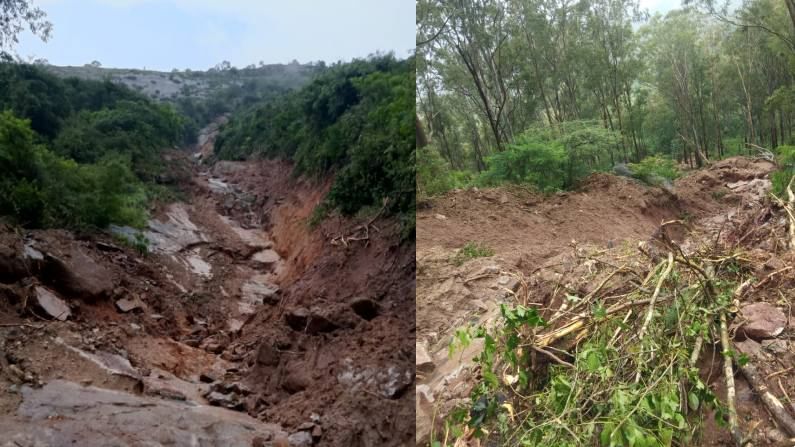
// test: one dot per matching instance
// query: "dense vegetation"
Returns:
(78, 153)
(547, 91)
(354, 119)
(200, 96)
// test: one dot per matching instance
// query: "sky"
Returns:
(661, 6)
(197, 34)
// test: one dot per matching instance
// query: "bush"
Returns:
(42, 189)
(552, 159)
(785, 156)
(529, 160)
(355, 119)
(470, 251)
(655, 170)
(433, 176)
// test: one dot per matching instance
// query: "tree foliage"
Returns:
(355, 119)
(15, 16)
(696, 84)
(77, 153)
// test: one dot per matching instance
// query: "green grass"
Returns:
(471, 251)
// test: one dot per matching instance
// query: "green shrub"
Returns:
(355, 119)
(785, 156)
(433, 176)
(470, 251)
(42, 189)
(655, 170)
(528, 160)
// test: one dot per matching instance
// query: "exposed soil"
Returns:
(239, 310)
(568, 243)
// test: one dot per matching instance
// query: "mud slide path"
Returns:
(543, 240)
(169, 376)
(226, 321)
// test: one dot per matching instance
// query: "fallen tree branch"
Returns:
(728, 376)
(776, 408)
(653, 299)
(552, 356)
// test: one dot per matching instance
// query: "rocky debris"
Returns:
(216, 343)
(440, 217)
(175, 233)
(425, 395)
(508, 282)
(232, 387)
(94, 417)
(14, 261)
(762, 320)
(776, 346)
(259, 291)
(312, 322)
(300, 439)
(424, 361)
(19, 376)
(112, 363)
(129, 304)
(317, 433)
(266, 257)
(52, 305)
(208, 377)
(268, 354)
(296, 380)
(75, 273)
(219, 399)
(365, 308)
(391, 382)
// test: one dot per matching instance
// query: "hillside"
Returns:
(175, 84)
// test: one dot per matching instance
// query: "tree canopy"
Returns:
(607, 81)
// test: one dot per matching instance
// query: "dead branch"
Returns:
(776, 408)
(728, 375)
(764, 153)
(653, 300)
(553, 357)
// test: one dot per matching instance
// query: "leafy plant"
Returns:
(470, 251)
(785, 156)
(655, 170)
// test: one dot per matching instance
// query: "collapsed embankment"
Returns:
(549, 251)
(273, 331)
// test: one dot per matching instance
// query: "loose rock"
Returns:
(424, 361)
(763, 320)
(51, 304)
(300, 439)
(128, 304)
(76, 273)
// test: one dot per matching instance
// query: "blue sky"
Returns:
(197, 34)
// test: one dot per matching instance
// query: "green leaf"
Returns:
(692, 401)
(607, 430)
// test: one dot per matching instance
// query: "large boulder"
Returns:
(763, 320)
(73, 272)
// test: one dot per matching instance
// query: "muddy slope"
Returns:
(239, 317)
(546, 247)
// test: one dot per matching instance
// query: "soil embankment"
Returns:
(569, 243)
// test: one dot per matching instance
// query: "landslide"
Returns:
(571, 243)
(237, 306)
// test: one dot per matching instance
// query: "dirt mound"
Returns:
(547, 249)
(519, 223)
